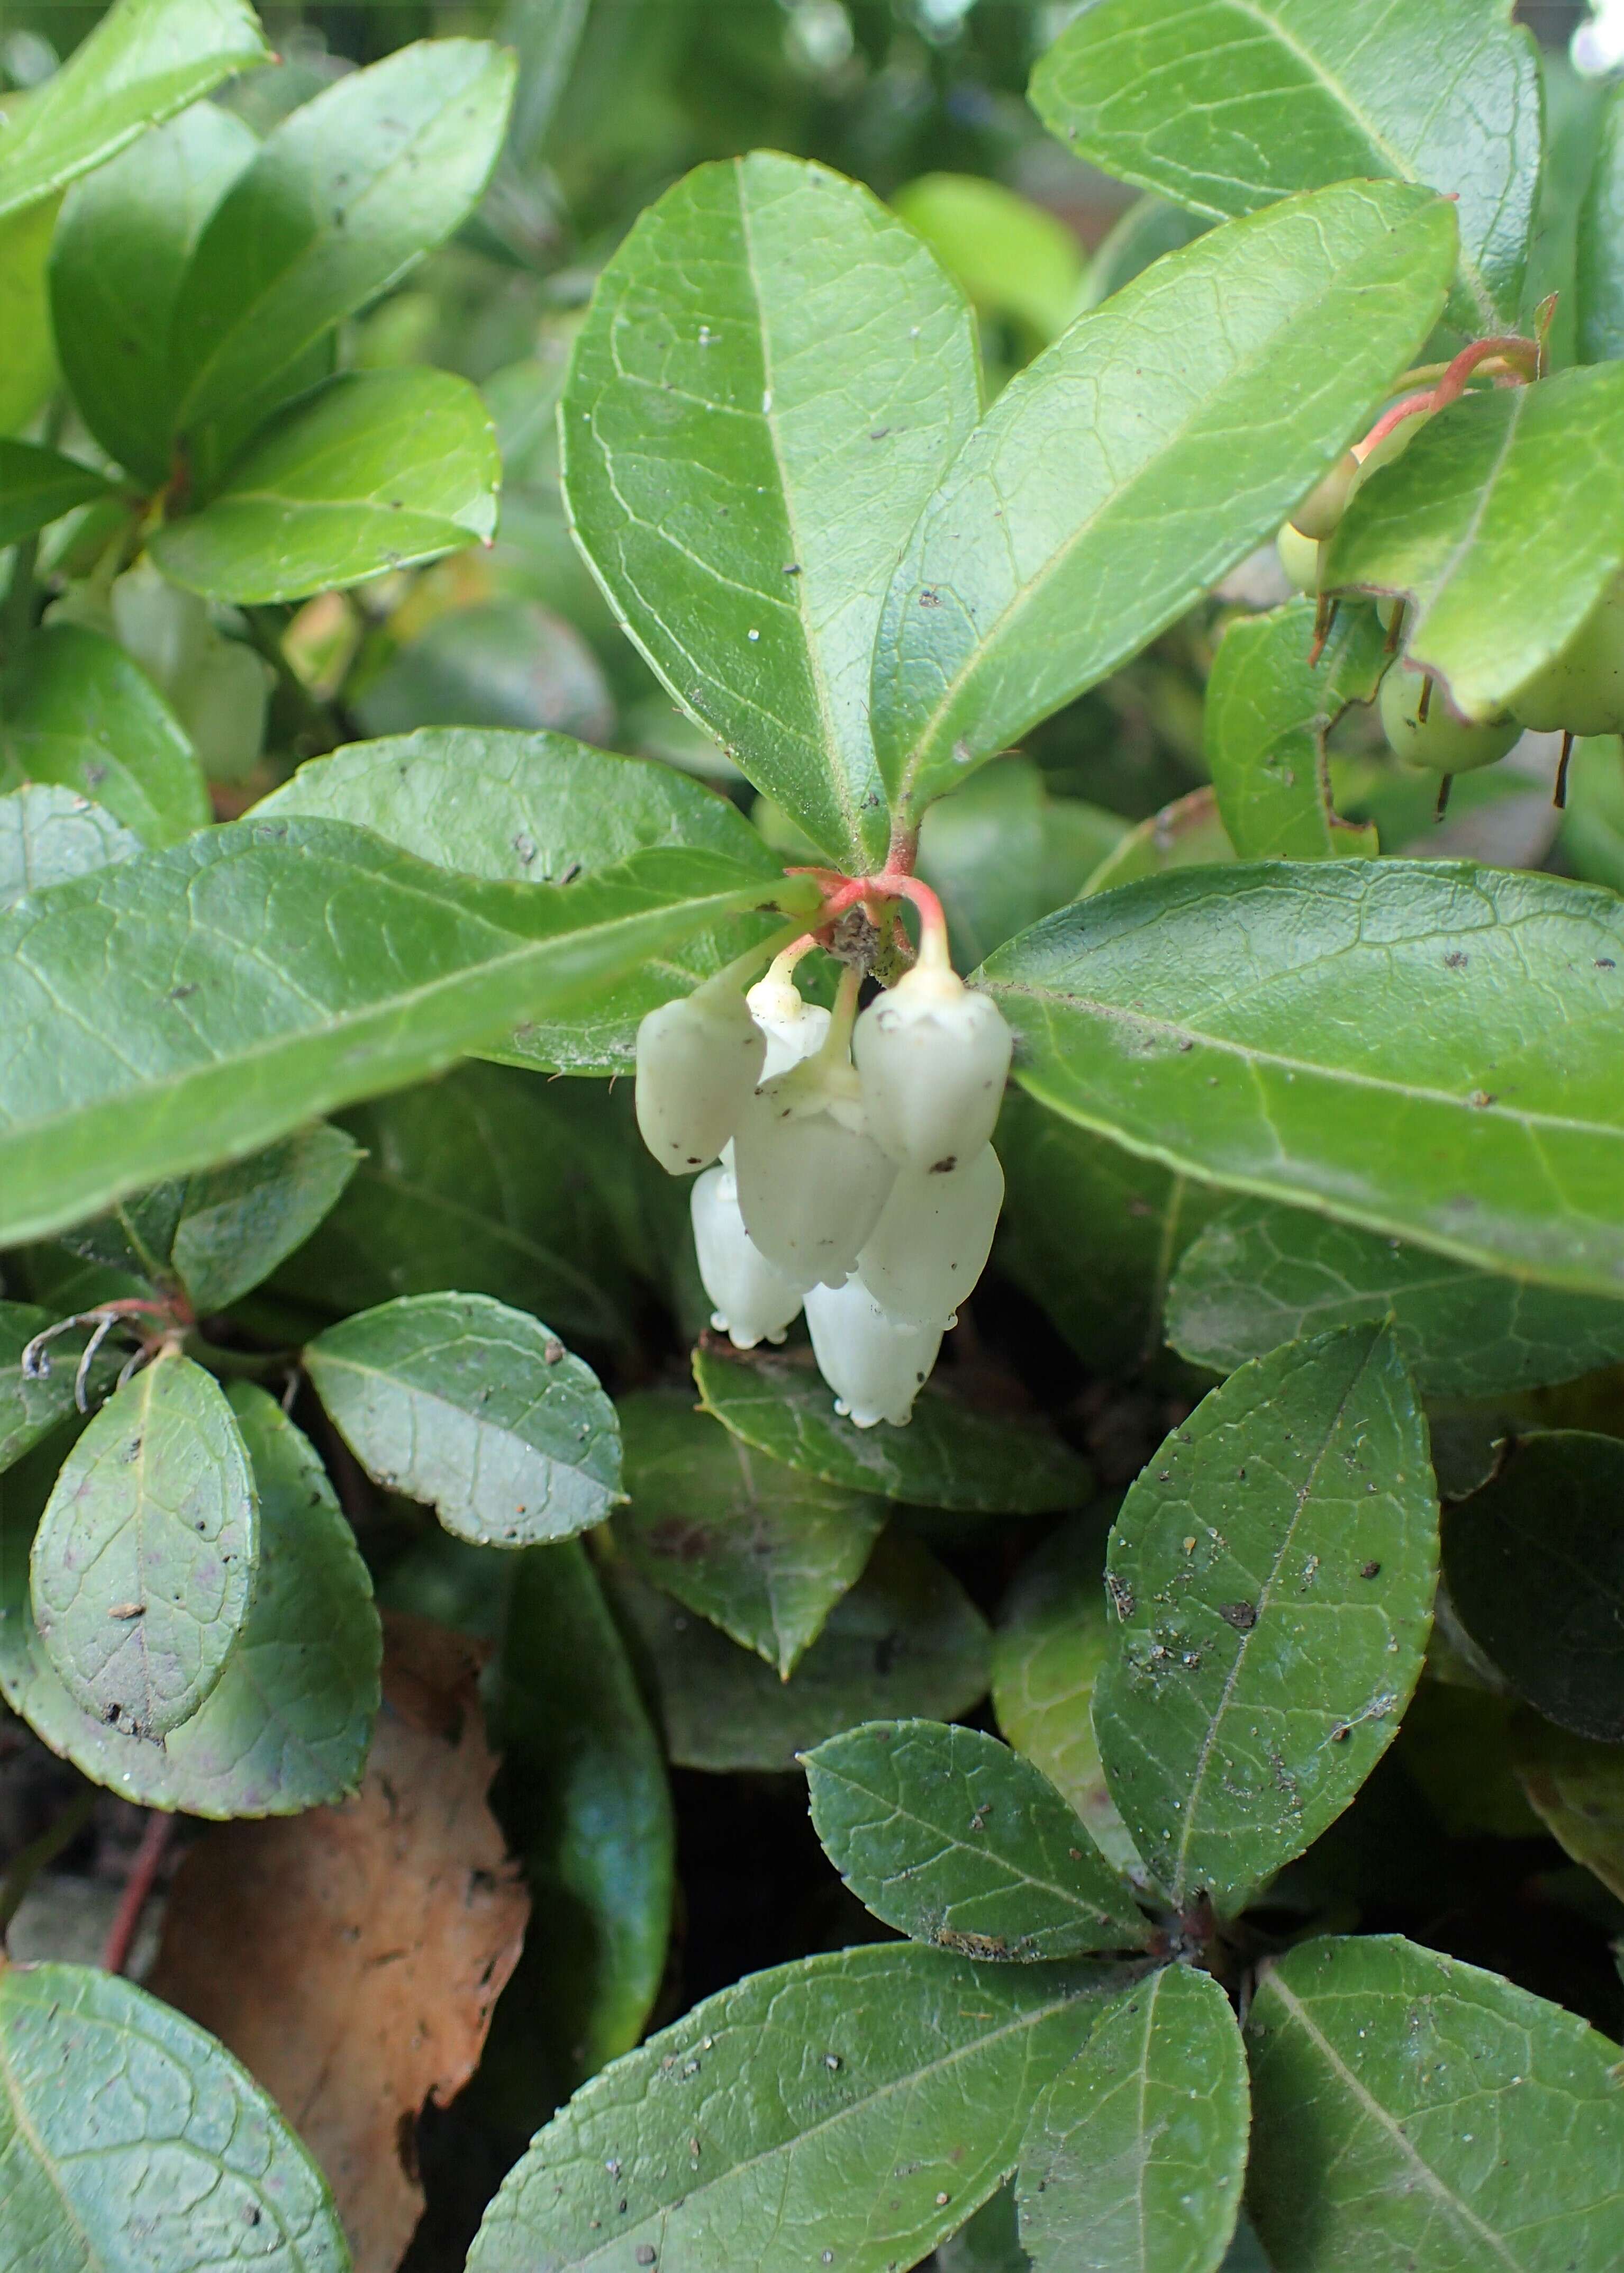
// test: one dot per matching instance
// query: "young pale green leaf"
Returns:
(862, 2102)
(1576, 1788)
(741, 500)
(121, 249)
(143, 61)
(949, 1837)
(288, 1725)
(1137, 460)
(1272, 1572)
(31, 1407)
(1225, 105)
(131, 2138)
(80, 713)
(341, 200)
(759, 1550)
(377, 469)
(1134, 2157)
(1407, 2109)
(142, 1570)
(1051, 1642)
(1503, 522)
(1262, 1275)
(905, 1640)
(949, 1455)
(1202, 1018)
(39, 485)
(1015, 258)
(238, 1223)
(1267, 714)
(48, 833)
(1598, 279)
(238, 1047)
(477, 1409)
(1543, 1598)
(538, 808)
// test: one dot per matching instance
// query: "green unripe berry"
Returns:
(1300, 557)
(1442, 742)
(1327, 501)
(1581, 692)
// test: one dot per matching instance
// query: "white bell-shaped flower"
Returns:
(754, 1303)
(812, 1181)
(794, 1030)
(698, 1063)
(932, 1058)
(875, 1364)
(932, 1240)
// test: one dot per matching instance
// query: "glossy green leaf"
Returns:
(1535, 1562)
(30, 1408)
(1576, 1788)
(952, 1838)
(48, 833)
(39, 485)
(1002, 852)
(80, 713)
(740, 499)
(1189, 833)
(1267, 712)
(760, 1551)
(121, 249)
(949, 1455)
(861, 2101)
(143, 61)
(238, 1047)
(478, 1410)
(378, 469)
(905, 1640)
(288, 1725)
(1262, 1275)
(1202, 1019)
(1410, 2109)
(1504, 523)
(341, 200)
(142, 1570)
(1109, 486)
(1598, 278)
(1052, 1640)
(29, 372)
(538, 808)
(1014, 257)
(130, 2139)
(1272, 1572)
(1225, 105)
(238, 1222)
(1134, 2158)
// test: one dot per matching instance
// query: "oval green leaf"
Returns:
(48, 833)
(238, 1223)
(79, 712)
(39, 485)
(31, 1406)
(1267, 712)
(1576, 1788)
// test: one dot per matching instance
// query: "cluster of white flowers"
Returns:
(854, 1176)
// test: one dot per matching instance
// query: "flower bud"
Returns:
(932, 1240)
(794, 1029)
(811, 1181)
(875, 1364)
(754, 1303)
(698, 1063)
(931, 1057)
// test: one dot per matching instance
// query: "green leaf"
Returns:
(1011, 595)
(129, 2138)
(79, 712)
(1189, 833)
(31, 1408)
(949, 1455)
(760, 1551)
(1592, 842)
(905, 1640)
(1150, 226)
(120, 252)
(1225, 105)
(504, 663)
(1544, 1599)
(536, 808)
(1598, 280)
(143, 61)
(989, 2243)
(1001, 852)
(377, 469)
(862, 2102)
(1503, 522)
(478, 1410)
(38, 485)
(29, 372)
(238, 1223)
(1262, 1275)
(1267, 714)
(342, 199)
(1134, 2157)
(1012, 256)
(237, 1049)
(1051, 1645)
(1202, 1019)
(48, 833)
(948, 1835)
(142, 1570)
(741, 500)
(1578, 1790)
(288, 1723)
(1408, 2108)
(1270, 1636)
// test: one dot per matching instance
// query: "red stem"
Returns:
(143, 1876)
